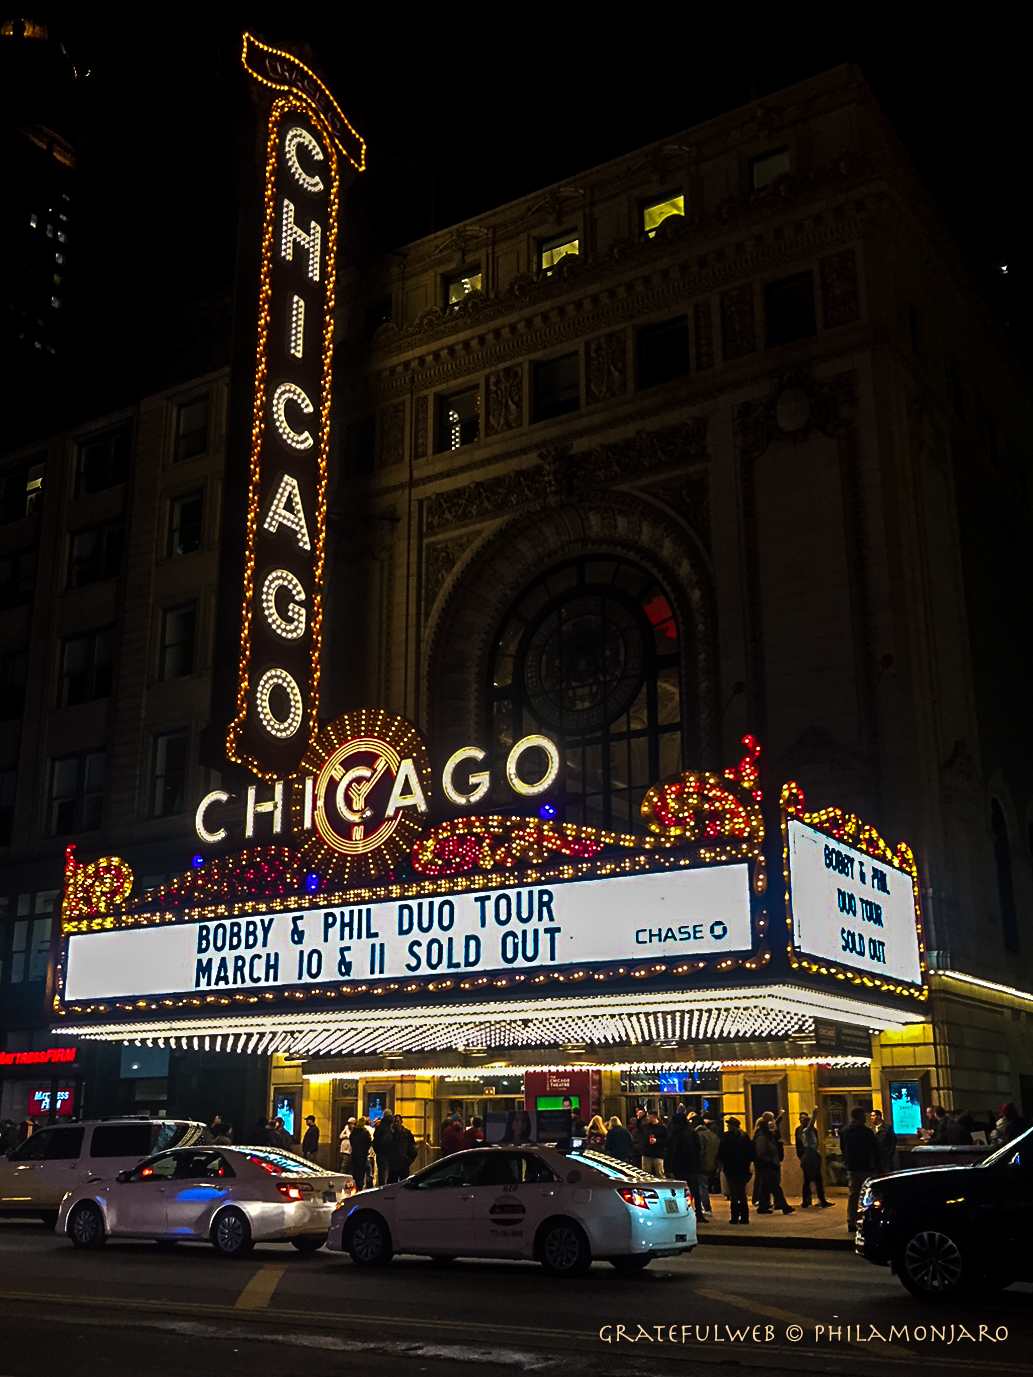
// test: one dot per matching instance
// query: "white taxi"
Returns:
(562, 1210)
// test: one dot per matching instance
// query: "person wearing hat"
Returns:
(310, 1142)
(1008, 1126)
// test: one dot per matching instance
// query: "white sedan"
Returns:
(231, 1197)
(564, 1211)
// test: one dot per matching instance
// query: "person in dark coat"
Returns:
(887, 1141)
(810, 1159)
(401, 1151)
(310, 1142)
(683, 1157)
(361, 1143)
(638, 1139)
(769, 1166)
(860, 1150)
(655, 1144)
(381, 1134)
(618, 1141)
(735, 1159)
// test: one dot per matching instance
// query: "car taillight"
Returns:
(295, 1192)
(633, 1195)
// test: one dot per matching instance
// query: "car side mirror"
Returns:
(124, 1177)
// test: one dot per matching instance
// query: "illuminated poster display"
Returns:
(685, 913)
(852, 909)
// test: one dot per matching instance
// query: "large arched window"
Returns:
(590, 655)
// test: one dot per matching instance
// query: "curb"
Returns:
(836, 1245)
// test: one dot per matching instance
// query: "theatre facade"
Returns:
(612, 717)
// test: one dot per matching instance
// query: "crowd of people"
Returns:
(376, 1153)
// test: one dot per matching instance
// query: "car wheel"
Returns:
(563, 1248)
(86, 1225)
(369, 1242)
(636, 1262)
(932, 1266)
(231, 1234)
(308, 1243)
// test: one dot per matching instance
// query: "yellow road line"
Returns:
(257, 1294)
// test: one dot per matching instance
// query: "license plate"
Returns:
(671, 1206)
(329, 1195)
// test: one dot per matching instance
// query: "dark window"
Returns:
(454, 1171)
(663, 351)
(177, 640)
(360, 447)
(18, 576)
(64, 1145)
(76, 793)
(654, 213)
(170, 773)
(21, 491)
(8, 785)
(104, 461)
(789, 309)
(13, 670)
(550, 251)
(121, 1140)
(30, 945)
(459, 419)
(765, 169)
(87, 667)
(95, 554)
(192, 429)
(461, 284)
(590, 656)
(378, 313)
(186, 513)
(557, 387)
(1005, 885)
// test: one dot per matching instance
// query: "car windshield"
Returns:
(1004, 1154)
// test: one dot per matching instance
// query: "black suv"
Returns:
(950, 1231)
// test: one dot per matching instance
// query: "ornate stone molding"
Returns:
(606, 366)
(738, 326)
(800, 406)
(560, 475)
(840, 297)
(392, 434)
(505, 400)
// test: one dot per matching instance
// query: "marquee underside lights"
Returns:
(853, 905)
(278, 672)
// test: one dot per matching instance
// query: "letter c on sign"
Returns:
(291, 392)
(216, 796)
(297, 135)
(518, 785)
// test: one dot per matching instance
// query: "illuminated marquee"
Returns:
(852, 904)
(278, 676)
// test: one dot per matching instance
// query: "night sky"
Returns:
(458, 119)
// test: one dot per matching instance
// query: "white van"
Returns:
(62, 1157)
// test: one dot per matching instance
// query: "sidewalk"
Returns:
(813, 1228)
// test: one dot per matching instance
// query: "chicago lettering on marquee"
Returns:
(278, 679)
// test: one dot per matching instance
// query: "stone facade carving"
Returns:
(440, 559)
(840, 300)
(801, 406)
(422, 410)
(689, 496)
(392, 434)
(703, 322)
(561, 475)
(505, 400)
(738, 329)
(606, 366)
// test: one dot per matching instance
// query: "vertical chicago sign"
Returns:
(278, 683)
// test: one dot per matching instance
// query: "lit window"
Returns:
(557, 387)
(656, 212)
(177, 640)
(76, 793)
(21, 491)
(550, 251)
(170, 771)
(192, 429)
(185, 517)
(87, 667)
(460, 419)
(461, 285)
(768, 167)
(104, 461)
